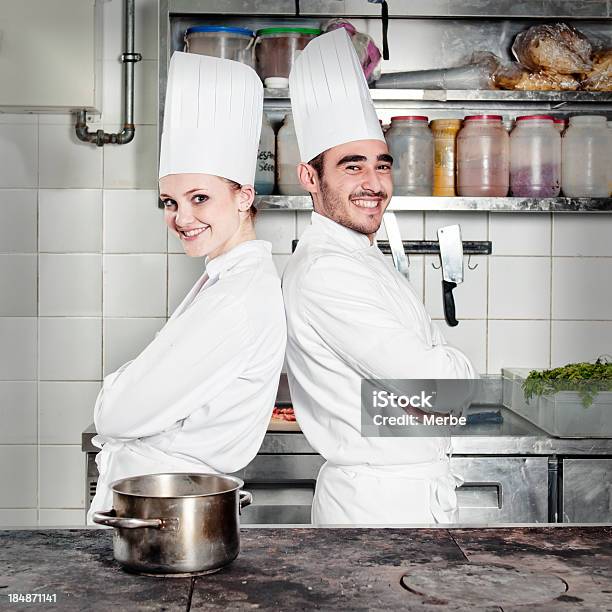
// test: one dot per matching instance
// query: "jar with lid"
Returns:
(410, 142)
(265, 170)
(535, 157)
(277, 48)
(445, 155)
(584, 157)
(560, 124)
(226, 42)
(483, 157)
(287, 159)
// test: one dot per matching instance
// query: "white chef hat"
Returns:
(330, 99)
(212, 118)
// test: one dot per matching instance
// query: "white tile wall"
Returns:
(68, 491)
(61, 518)
(519, 288)
(183, 272)
(65, 410)
(70, 220)
(133, 165)
(19, 155)
(125, 338)
(580, 341)
(134, 285)
(18, 518)
(66, 162)
(70, 285)
(18, 285)
(523, 344)
(18, 348)
(70, 348)
(411, 225)
(582, 235)
(18, 413)
(18, 476)
(510, 234)
(132, 222)
(18, 228)
(471, 337)
(582, 288)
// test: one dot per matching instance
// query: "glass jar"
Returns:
(287, 159)
(265, 170)
(410, 142)
(535, 158)
(584, 155)
(483, 157)
(560, 124)
(445, 155)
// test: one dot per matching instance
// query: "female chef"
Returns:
(199, 397)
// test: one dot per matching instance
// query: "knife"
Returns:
(451, 256)
(400, 259)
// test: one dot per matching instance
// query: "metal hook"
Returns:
(433, 265)
(468, 263)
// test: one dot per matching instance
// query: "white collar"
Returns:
(351, 239)
(241, 252)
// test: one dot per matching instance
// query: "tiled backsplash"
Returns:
(88, 274)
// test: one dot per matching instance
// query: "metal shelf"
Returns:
(471, 95)
(458, 204)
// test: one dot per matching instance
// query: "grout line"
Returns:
(550, 326)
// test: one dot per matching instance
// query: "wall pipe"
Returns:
(129, 58)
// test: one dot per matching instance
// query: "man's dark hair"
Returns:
(317, 163)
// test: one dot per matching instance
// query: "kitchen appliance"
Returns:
(175, 524)
(451, 256)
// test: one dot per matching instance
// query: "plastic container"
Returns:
(287, 159)
(535, 158)
(277, 48)
(276, 83)
(560, 125)
(445, 155)
(410, 142)
(585, 157)
(266, 165)
(221, 41)
(560, 414)
(483, 157)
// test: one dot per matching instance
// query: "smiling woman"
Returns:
(200, 396)
(208, 214)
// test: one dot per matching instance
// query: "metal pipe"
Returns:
(129, 58)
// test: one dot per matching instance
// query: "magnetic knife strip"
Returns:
(430, 247)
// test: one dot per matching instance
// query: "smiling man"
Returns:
(350, 315)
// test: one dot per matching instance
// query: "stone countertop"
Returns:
(535, 569)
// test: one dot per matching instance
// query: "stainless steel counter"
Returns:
(515, 436)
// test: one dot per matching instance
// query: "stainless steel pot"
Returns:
(173, 524)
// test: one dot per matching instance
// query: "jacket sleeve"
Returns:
(344, 303)
(190, 362)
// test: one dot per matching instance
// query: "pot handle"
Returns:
(112, 520)
(246, 499)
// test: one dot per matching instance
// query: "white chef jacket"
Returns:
(350, 315)
(200, 396)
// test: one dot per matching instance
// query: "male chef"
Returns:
(350, 315)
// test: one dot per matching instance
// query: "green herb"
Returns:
(587, 379)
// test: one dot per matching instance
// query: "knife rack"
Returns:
(432, 247)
